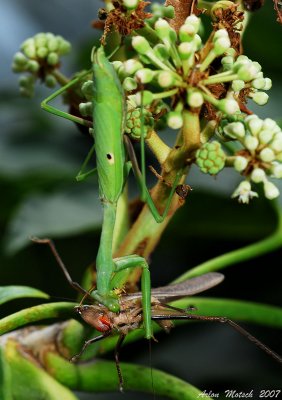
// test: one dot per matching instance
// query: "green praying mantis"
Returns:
(109, 111)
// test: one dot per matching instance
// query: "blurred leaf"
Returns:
(5, 378)
(8, 293)
(29, 381)
(76, 209)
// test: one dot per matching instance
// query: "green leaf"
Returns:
(29, 381)
(76, 209)
(60, 310)
(8, 293)
(5, 378)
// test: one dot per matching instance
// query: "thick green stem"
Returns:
(253, 250)
(101, 376)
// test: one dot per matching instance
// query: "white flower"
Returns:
(244, 192)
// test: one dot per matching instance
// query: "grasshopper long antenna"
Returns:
(61, 264)
(117, 351)
(224, 320)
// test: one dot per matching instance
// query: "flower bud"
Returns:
(268, 84)
(195, 98)
(131, 66)
(265, 136)
(130, 4)
(166, 79)
(144, 75)
(258, 175)
(140, 44)
(240, 163)
(174, 120)
(251, 143)
(254, 124)
(52, 58)
(228, 106)
(221, 45)
(267, 155)
(261, 98)
(270, 190)
(235, 130)
(129, 84)
(277, 171)
(237, 85)
(144, 98)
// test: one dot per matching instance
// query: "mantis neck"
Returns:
(104, 260)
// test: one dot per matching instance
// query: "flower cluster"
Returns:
(210, 158)
(178, 67)
(260, 156)
(40, 56)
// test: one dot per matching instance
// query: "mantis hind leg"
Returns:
(135, 261)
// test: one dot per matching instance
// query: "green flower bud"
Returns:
(260, 98)
(268, 84)
(130, 4)
(88, 89)
(221, 45)
(33, 66)
(210, 158)
(258, 83)
(165, 32)
(40, 40)
(186, 33)
(144, 75)
(131, 66)
(145, 97)
(220, 33)
(30, 51)
(265, 136)
(141, 45)
(50, 81)
(228, 106)
(42, 52)
(52, 58)
(277, 171)
(86, 109)
(227, 63)
(267, 155)
(195, 98)
(276, 145)
(235, 130)
(52, 44)
(270, 190)
(247, 72)
(254, 124)
(193, 20)
(175, 119)
(258, 175)
(237, 85)
(185, 50)
(251, 143)
(166, 79)
(20, 60)
(240, 163)
(129, 84)
(269, 124)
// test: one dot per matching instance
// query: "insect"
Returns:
(113, 168)
(131, 317)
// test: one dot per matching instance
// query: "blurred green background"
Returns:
(39, 158)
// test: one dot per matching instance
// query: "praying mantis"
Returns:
(113, 168)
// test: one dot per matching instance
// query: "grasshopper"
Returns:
(113, 168)
(131, 315)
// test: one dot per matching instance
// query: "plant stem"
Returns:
(101, 376)
(253, 250)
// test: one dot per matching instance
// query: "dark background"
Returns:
(39, 157)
